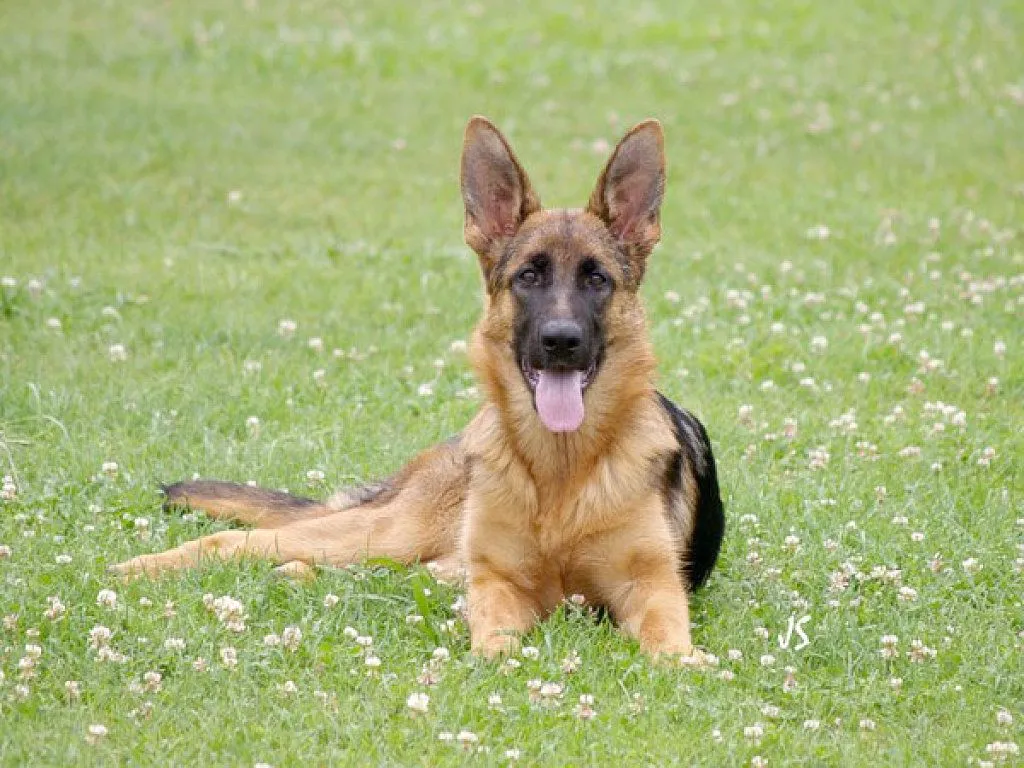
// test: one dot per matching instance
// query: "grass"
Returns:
(178, 178)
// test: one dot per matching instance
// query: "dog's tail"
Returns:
(245, 504)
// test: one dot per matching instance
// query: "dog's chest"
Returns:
(561, 531)
(559, 522)
(554, 563)
(572, 506)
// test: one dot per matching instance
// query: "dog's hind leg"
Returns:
(416, 519)
(399, 530)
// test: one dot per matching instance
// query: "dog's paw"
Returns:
(496, 645)
(152, 565)
(296, 571)
(689, 657)
(448, 571)
(698, 659)
(132, 569)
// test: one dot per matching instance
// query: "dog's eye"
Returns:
(528, 277)
(596, 280)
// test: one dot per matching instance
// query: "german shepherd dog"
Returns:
(575, 477)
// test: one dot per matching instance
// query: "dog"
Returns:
(576, 476)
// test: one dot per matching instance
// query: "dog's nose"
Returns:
(561, 338)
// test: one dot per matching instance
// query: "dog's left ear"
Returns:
(629, 192)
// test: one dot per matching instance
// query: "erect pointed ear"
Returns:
(495, 190)
(629, 192)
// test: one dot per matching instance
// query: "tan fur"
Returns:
(531, 516)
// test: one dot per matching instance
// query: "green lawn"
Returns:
(842, 257)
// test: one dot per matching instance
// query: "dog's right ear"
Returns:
(495, 189)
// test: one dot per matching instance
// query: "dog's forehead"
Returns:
(567, 234)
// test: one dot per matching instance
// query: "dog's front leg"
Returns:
(657, 613)
(501, 603)
(499, 612)
(636, 571)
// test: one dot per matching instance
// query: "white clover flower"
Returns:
(291, 638)
(971, 565)
(229, 657)
(152, 682)
(919, 652)
(9, 489)
(1001, 750)
(753, 732)
(467, 738)
(585, 709)
(818, 457)
(56, 609)
(551, 690)
(818, 231)
(99, 637)
(229, 611)
(418, 702)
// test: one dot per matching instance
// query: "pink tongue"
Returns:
(559, 399)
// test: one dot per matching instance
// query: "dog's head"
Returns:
(562, 283)
(562, 303)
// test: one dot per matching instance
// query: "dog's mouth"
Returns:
(558, 394)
